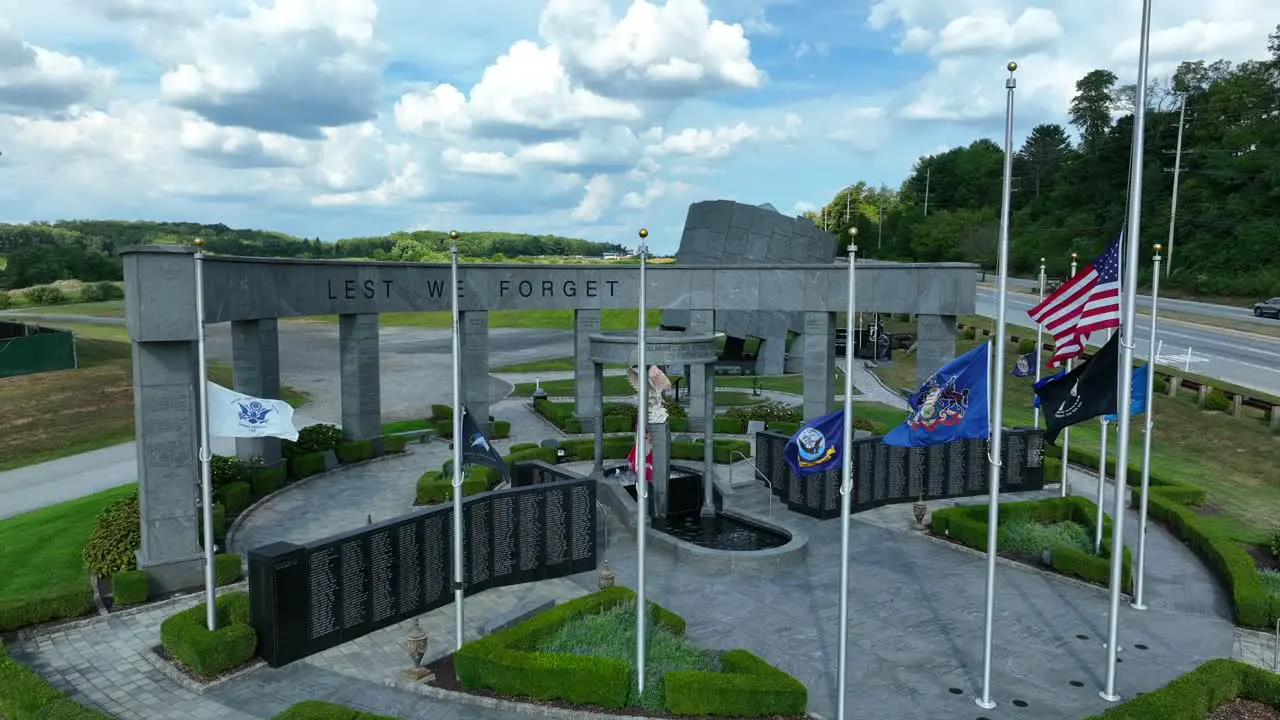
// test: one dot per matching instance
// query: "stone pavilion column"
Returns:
(255, 368)
(474, 343)
(359, 371)
(701, 322)
(935, 344)
(819, 363)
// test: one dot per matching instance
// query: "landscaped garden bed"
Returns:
(581, 655)
(204, 655)
(1054, 533)
(1217, 690)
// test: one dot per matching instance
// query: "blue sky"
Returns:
(590, 118)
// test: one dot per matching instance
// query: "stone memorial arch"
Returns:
(253, 293)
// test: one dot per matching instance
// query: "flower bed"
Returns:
(578, 653)
(1027, 529)
(1197, 694)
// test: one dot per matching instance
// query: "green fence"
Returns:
(26, 349)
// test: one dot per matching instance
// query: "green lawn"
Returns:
(614, 385)
(735, 398)
(107, 308)
(40, 550)
(399, 426)
(1234, 459)
(559, 364)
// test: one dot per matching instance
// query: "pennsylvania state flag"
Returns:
(816, 445)
(952, 404)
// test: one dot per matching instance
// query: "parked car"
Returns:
(1268, 308)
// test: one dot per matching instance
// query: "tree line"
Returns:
(88, 250)
(1070, 194)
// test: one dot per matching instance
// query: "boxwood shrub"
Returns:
(501, 429)
(24, 695)
(235, 496)
(520, 447)
(227, 469)
(226, 569)
(316, 438)
(393, 443)
(967, 524)
(442, 412)
(130, 587)
(186, 638)
(319, 710)
(1195, 695)
(36, 609)
(355, 451)
(266, 481)
(436, 487)
(746, 687)
(302, 466)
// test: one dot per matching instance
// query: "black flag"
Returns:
(476, 449)
(1088, 391)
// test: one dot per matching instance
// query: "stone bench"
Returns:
(515, 616)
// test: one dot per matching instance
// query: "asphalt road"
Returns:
(1251, 361)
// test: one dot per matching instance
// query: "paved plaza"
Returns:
(915, 619)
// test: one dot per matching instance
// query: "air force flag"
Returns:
(232, 414)
(952, 404)
(816, 445)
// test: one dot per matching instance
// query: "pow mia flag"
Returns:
(1088, 391)
(476, 448)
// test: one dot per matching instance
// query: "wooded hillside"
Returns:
(39, 253)
(1070, 193)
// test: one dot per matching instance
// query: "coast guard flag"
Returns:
(951, 405)
(476, 449)
(1088, 391)
(1026, 364)
(1137, 394)
(233, 414)
(1045, 381)
(816, 445)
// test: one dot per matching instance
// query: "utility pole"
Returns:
(1177, 171)
(880, 222)
(927, 173)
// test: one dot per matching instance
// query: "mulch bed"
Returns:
(1262, 557)
(1244, 710)
(198, 677)
(447, 679)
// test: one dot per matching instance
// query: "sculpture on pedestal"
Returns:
(653, 420)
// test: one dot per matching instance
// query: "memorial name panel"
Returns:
(356, 582)
(1013, 459)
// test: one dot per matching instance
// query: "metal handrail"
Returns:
(759, 474)
(600, 507)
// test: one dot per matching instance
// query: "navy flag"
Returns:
(816, 445)
(1088, 391)
(1026, 364)
(951, 405)
(476, 449)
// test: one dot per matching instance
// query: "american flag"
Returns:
(1086, 303)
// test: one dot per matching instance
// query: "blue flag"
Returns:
(1026, 364)
(1137, 394)
(816, 445)
(951, 405)
(1045, 381)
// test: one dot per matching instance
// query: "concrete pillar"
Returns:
(160, 316)
(819, 363)
(587, 383)
(708, 439)
(361, 391)
(700, 322)
(1175, 383)
(771, 359)
(1202, 396)
(166, 420)
(935, 344)
(474, 328)
(660, 434)
(1237, 405)
(255, 368)
(1275, 418)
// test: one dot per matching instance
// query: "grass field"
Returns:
(1234, 459)
(108, 308)
(56, 414)
(40, 550)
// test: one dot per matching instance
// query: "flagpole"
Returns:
(1035, 422)
(1102, 483)
(206, 453)
(1129, 288)
(846, 481)
(642, 487)
(1149, 419)
(1066, 432)
(997, 393)
(458, 410)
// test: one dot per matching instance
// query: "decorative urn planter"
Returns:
(607, 577)
(415, 643)
(919, 509)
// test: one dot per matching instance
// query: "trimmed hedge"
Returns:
(502, 661)
(436, 487)
(617, 447)
(967, 524)
(33, 610)
(559, 414)
(130, 587)
(226, 569)
(354, 451)
(302, 466)
(1194, 695)
(747, 687)
(393, 443)
(319, 710)
(521, 447)
(186, 638)
(24, 695)
(501, 430)
(312, 439)
(234, 497)
(267, 481)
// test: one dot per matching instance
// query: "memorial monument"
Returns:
(253, 293)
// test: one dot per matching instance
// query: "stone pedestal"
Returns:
(660, 434)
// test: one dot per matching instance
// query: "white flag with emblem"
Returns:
(232, 414)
